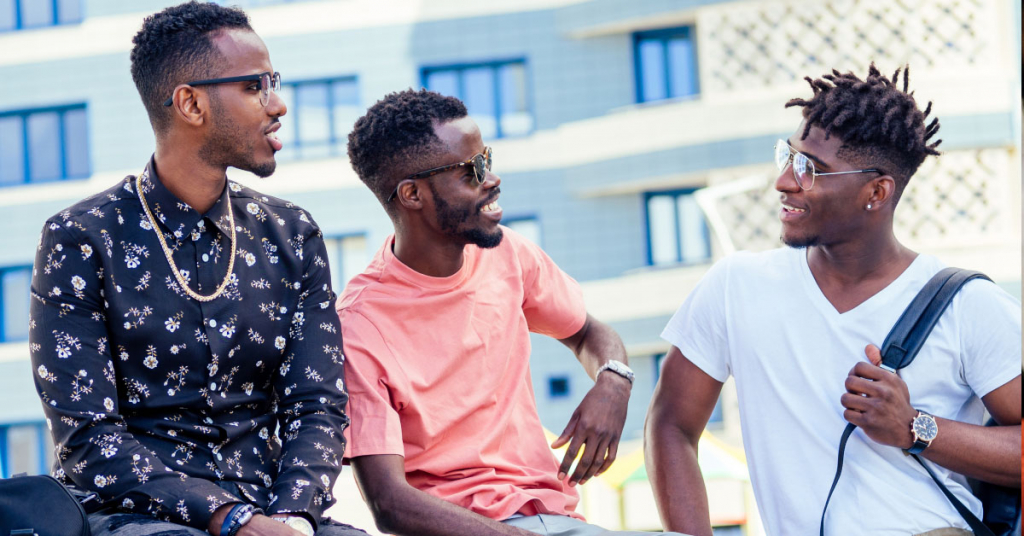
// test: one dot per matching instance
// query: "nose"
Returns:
(275, 105)
(786, 181)
(491, 180)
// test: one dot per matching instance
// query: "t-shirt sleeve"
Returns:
(369, 368)
(698, 328)
(990, 336)
(552, 301)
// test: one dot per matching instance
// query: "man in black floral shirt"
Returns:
(183, 331)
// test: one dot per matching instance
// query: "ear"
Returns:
(880, 192)
(409, 195)
(189, 105)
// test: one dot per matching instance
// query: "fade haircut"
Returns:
(175, 46)
(879, 124)
(398, 128)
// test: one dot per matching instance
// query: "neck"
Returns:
(188, 177)
(851, 263)
(429, 255)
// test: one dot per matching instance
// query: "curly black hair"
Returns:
(398, 128)
(175, 46)
(879, 124)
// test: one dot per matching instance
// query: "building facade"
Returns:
(634, 139)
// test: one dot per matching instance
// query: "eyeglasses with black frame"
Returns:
(803, 167)
(481, 163)
(264, 83)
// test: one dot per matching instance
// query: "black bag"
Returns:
(40, 506)
(1001, 506)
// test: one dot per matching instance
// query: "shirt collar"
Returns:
(174, 214)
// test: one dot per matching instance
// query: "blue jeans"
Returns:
(108, 523)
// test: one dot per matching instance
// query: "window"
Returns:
(558, 386)
(495, 94)
(716, 419)
(320, 116)
(528, 226)
(14, 299)
(676, 230)
(25, 448)
(348, 257)
(43, 145)
(25, 14)
(665, 63)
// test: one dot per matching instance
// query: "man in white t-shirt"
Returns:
(799, 329)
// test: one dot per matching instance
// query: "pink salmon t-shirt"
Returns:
(438, 371)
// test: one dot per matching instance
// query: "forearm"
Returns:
(405, 510)
(987, 453)
(597, 344)
(671, 460)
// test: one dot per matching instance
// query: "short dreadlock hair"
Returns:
(398, 128)
(176, 46)
(879, 124)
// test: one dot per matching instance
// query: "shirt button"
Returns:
(220, 457)
(213, 323)
(206, 257)
(213, 386)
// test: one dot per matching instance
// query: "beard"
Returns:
(450, 219)
(229, 145)
(800, 242)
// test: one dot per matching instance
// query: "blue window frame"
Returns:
(716, 419)
(14, 300)
(665, 63)
(496, 94)
(43, 145)
(320, 116)
(676, 229)
(528, 226)
(25, 448)
(27, 14)
(558, 387)
(347, 255)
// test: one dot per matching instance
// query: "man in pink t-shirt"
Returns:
(445, 437)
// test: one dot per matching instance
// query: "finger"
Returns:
(613, 451)
(855, 402)
(869, 371)
(590, 452)
(862, 387)
(854, 417)
(874, 354)
(600, 460)
(567, 433)
(570, 456)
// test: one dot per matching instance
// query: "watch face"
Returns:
(925, 428)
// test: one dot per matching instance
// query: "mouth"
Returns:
(790, 212)
(272, 139)
(492, 210)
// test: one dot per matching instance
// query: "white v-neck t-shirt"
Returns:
(762, 318)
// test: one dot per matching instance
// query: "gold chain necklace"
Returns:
(169, 254)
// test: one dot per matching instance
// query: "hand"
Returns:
(878, 402)
(261, 525)
(596, 423)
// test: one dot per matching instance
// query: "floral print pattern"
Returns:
(155, 400)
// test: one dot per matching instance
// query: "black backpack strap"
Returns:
(901, 346)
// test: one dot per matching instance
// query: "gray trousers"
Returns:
(548, 525)
(105, 523)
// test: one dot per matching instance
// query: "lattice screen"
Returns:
(963, 198)
(755, 44)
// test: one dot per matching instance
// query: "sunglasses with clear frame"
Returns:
(264, 83)
(481, 163)
(803, 167)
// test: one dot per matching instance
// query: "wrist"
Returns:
(615, 369)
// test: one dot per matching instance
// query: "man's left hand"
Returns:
(878, 402)
(596, 423)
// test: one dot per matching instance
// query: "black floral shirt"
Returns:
(159, 402)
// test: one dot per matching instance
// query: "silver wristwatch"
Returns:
(300, 524)
(619, 368)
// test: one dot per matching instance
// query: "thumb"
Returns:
(874, 354)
